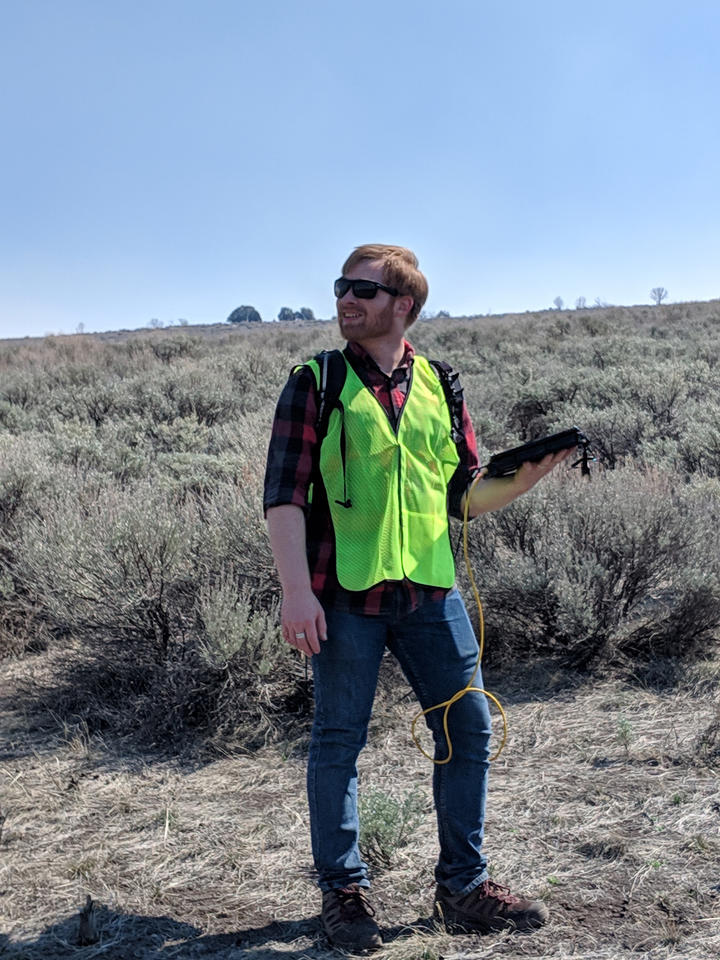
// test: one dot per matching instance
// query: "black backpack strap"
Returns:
(453, 391)
(333, 371)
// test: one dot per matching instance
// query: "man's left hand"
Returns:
(529, 473)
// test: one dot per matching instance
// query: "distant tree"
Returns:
(658, 294)
(599, 302)
(286, 314)
(580, 303)
(182, 322)
(244, 315)
(155, 324)
(305, 313)
(441, 314)
(80, 328)
(558, 303)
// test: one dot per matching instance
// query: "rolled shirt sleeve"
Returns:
(289, 469)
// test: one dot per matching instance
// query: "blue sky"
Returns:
(176, 159)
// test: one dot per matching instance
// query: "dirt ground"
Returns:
(605, 803)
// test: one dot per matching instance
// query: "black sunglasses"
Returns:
(362, 289)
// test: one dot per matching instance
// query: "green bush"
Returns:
(624, 566)
(26, 483)
(121, 562)
(165, 629)
(387, 823)
(232, 629)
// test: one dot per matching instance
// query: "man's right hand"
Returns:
(303, 621)
(301, 616)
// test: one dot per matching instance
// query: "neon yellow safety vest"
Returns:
(388, 494)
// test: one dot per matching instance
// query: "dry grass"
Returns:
(601, 804)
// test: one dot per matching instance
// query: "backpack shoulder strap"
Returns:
(332, 371)
(453, 391)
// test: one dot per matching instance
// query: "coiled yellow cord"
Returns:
(446, 704)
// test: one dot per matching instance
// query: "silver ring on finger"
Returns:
(299, 636)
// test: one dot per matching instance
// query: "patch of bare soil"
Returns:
(605, 803)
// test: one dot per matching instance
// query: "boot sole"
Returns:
(353, 946)
(456, 922)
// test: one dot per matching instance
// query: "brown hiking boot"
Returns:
(487, 908)
(347, 919)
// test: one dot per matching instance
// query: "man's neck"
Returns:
(387, 353)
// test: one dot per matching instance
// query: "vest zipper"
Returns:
(400, 513)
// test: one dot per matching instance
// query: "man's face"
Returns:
(367, 319)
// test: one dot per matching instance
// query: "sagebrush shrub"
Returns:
(26, 484)
(623, 565)
(233, 629)
(114, 561)
(170, 601)
(387, 823)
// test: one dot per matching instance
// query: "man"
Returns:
(358, 524)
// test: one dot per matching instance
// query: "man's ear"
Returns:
(403, 306)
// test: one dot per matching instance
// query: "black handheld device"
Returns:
(506, 463)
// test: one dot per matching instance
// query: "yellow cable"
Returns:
(481, 642)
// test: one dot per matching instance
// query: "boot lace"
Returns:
(497, 891)
(353, 903)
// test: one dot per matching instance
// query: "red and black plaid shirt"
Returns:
(292, 466)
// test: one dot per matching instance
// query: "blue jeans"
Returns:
(437, 650)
